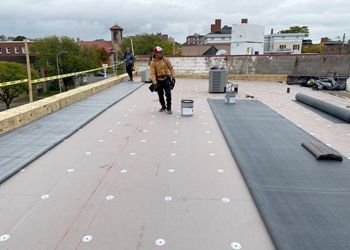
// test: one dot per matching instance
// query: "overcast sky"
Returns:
(91, 19)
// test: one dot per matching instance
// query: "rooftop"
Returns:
(134, 178)
(285, 35)
(107, 45)
(116, 27)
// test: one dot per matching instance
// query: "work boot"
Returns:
(162, 110)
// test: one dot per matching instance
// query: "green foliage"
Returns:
(19, 38)
(10, 72)
(103, 55)
(144, 44)
(347, 47)
(313, 48)
(75, 59)
(296, 29)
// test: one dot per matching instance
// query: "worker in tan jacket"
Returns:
(163, 78)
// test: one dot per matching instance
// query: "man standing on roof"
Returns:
(163, 78)
(129, 61)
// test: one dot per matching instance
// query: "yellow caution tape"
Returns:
(6, 84)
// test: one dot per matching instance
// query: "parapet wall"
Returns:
(305, 64)
(19, 116)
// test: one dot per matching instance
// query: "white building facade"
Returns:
(217, 38)
(247, 39)
(289, 43)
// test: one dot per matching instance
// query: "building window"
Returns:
(16, 50)
(23, 50)
(8, 50)
(296, 47)
(283, 46)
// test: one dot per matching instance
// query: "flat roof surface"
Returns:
(135, 178)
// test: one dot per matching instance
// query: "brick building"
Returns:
(331, 46)
(205, 49)
(14, 52)
(195, 39)
(217, 34)
(101, 44)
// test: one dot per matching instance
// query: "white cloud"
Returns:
(91, 19)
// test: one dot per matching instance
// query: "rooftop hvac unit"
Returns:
(217, 80)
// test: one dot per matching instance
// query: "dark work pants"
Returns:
(164, 88)
(129, 70)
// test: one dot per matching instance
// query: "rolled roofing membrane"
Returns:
(304, 202)
(322, 151)
(331, 109)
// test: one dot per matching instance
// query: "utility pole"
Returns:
(28, 71)
(132, 46)
(58, 69)
(342, 46)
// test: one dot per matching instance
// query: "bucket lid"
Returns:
(186, 101)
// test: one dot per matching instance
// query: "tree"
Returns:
(19, 38)
(103, 55)
(11, 72)
(296, 29)
(75, 59)
(347, 47)
(144, 44)
(47, 49)
(313, 48)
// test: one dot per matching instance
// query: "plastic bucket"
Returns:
(187, 107)
(230, 97)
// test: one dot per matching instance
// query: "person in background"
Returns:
(129, 61)
(163, 78)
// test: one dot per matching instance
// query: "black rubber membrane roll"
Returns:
(333, 110)
(322, 151)
(304, 203)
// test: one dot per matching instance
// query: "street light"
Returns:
(58, 68)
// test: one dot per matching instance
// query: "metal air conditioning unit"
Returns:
(217, 80)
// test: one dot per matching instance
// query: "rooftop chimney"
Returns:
(244, 20)
(217, 26)
(212, 28)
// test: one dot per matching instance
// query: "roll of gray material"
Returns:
(322, 151)
(303, 202)
(333, 110)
